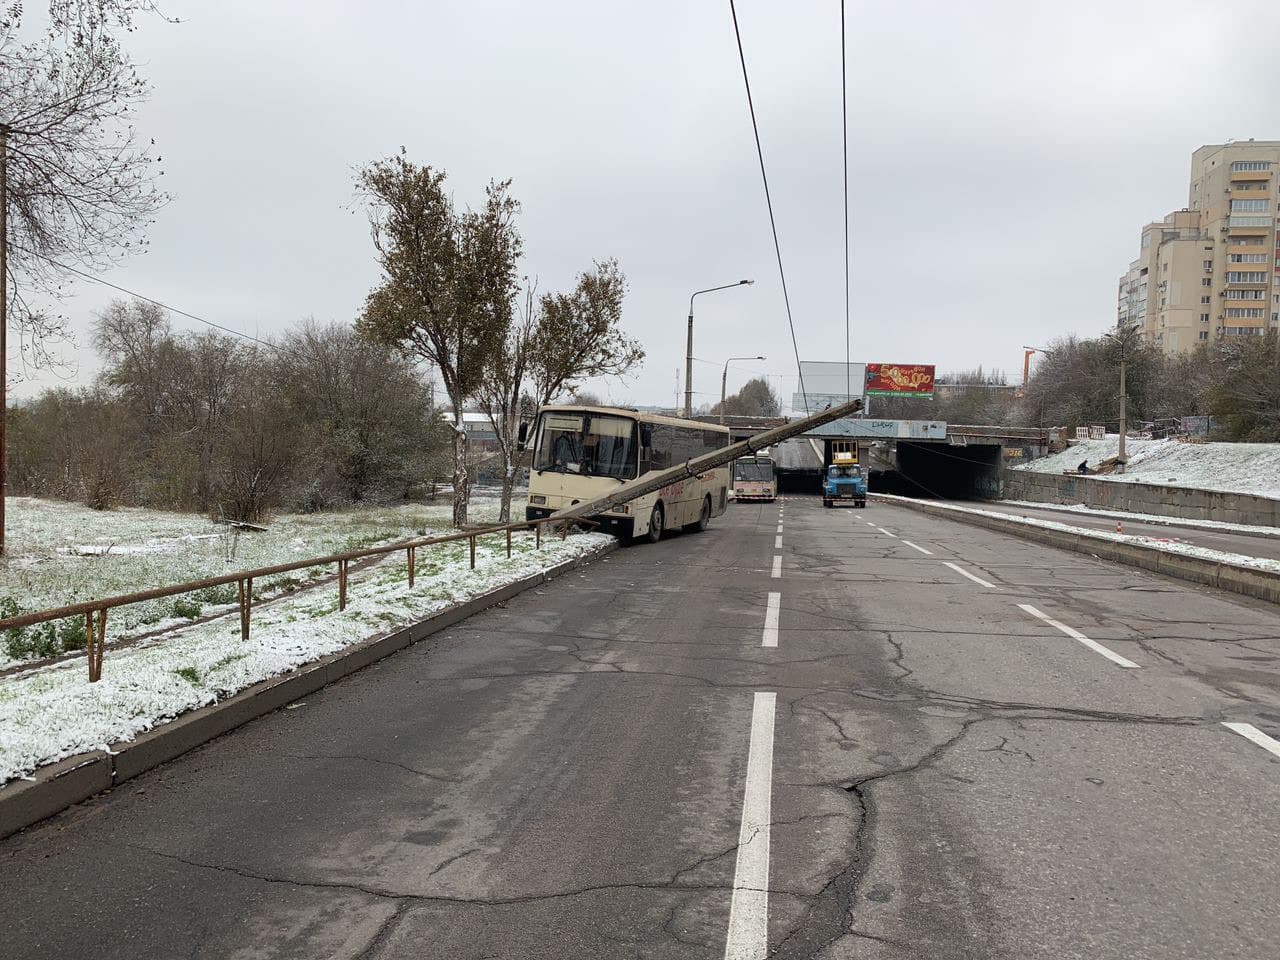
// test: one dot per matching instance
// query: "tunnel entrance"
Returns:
(942, 471)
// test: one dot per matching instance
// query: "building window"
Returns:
(1248, 241)
(1164, 267)
(1205, 299)
(1208, 265)
(1246, 276)
(1204, 318)
(1249, 221)
(1207, 282)
(1250, 206)
(1244, 313)
(1204, 334)
(1251, 165)
(1246, 295)
(1247, 258)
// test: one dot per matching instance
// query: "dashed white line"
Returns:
(779, 528)
(748, 937)
(771, 620)
(965, 573)
(887, 533)
(915, 547)
(1077, 635)
(777, 542)
(777, 568)
(1250, 732)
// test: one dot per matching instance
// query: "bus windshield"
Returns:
(587, 444)
(846, 471)
(753, 471)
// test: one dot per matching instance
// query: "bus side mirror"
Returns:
(522, 435)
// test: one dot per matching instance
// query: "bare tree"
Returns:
(81, 184)
(449, 279)
(578, 335)
(502, 391)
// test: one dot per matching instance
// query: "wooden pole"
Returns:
(4, 317)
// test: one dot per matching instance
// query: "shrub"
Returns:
(190, 609)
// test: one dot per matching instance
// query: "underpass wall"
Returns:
(1184, 502)
(945, 471)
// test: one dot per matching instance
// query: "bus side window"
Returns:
(660, 451)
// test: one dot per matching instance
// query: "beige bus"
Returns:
(581, 452)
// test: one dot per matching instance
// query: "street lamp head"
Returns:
(762, 358)
(745, 282)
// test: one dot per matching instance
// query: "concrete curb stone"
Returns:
(57, 786)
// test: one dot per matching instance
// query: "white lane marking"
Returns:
(1250, 732)
(779, 528)
(771, 620)
(748, 937)
(965, 573)
(887, 533)
(921, 549)
(777, 542)
(1077, 635)
(777, 568)
(870, 524)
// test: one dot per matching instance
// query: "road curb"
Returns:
(57, 786)
(1247, 581)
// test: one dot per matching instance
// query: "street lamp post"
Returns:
(724, 379)
(688, 358)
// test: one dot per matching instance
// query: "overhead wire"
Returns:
(773, 224)
(844, 130)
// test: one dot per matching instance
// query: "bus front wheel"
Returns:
(704, 518)
(655, 524)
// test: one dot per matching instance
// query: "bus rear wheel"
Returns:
(655, 524)
(704, 518)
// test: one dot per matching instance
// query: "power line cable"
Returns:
(165, 306)
(844, 127)
(773, 225)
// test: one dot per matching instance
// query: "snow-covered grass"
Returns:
(62, 553)
(1156, 543)
(52, 712)
(1221, 525)
(1233, 467)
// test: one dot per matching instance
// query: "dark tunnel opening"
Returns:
(940, 471)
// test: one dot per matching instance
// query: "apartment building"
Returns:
(1210, 270)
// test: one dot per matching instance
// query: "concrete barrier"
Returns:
(1248, 581)
(60, 785)
(1186, 503)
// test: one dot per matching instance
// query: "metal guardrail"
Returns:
(95, 611)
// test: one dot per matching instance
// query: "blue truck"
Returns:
(844, 481)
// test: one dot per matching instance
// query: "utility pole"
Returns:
(4, 317)
(1124, 423)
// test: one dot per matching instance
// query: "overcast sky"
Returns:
(1003, 156)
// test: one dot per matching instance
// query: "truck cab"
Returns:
(844, 481)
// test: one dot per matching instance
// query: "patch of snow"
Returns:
(1221, 525)
(1231, 467)
(53, 712)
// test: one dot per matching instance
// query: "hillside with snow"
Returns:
(1235, 467)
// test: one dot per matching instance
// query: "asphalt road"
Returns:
(617, 765)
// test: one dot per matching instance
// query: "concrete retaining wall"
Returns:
(60, 785)
(1183, 502)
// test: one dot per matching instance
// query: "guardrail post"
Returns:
(246, 602)
(508, 543)
(472, 538)
(342, 584)
(410, 552)
(95, 640)
(537, 535)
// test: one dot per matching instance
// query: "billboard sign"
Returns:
(900, 380)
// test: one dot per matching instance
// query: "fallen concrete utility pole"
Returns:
(691, 468)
